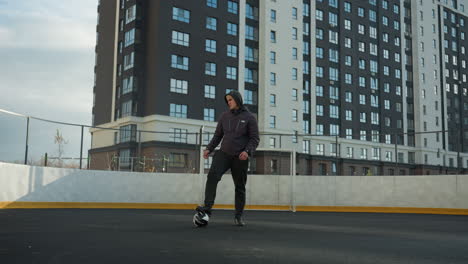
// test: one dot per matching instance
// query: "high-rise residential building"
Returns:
(354, 87)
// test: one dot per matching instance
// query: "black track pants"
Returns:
(221, 163)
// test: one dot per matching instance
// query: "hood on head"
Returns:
(237, 97)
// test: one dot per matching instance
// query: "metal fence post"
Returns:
(336, 156)
(200, 150)
(27, 141)
(139, 144)
(396, 154)
(201, 165)
(293, 180)
(81, 147)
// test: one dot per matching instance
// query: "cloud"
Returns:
(44, 28)
(47, 51)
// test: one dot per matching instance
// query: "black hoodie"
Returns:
(237, 128)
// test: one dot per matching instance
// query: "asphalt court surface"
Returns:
(168, 236)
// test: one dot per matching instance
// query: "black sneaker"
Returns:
(238, 221)
(204, 209)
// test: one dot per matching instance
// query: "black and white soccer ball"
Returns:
(201, 219)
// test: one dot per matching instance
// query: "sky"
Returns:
(47, 71)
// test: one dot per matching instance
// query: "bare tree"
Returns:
(61, 142)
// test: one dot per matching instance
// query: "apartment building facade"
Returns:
(354, 87)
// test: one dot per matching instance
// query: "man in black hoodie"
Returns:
(238, 129)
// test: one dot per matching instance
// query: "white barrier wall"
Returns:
(40, 184)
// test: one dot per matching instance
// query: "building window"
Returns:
(130, 14)
(362, 117)
(177, 110)
(319, 110)
(251, 33)
(232, 29)
(348, 43)
(319, 129)
(319, 90)
(319, 53)
(210, 45)
(294, 13)
(233, 7)
(211, 23)
(334, 111)
(180, 14)
(212, 3)
(350, 152)
(248, 97)
(272, 78)
(273, 15)
(124, 158)
(376, 153)
(272, 142)
(210, 68)
(294, 73)
(306, 126)
(127, 108)
(128, 133)
(349, 133)
(210, 91)
(179, 62)
(348, 78)
(319, 33)
(334, 130)
(272, 99)
(130, 37)
(363, 153)
(231, 73)
(347, 7)
(179, 86)
(294, 95)
(251, 54)
(320, 149)
(209, 114)
(272, 57)
(178, 160)
(333, 19)
(274, 166)
(232, 51)
(129, 85)
(306, 146)
(333, 74)
(250, 75)
(348, 60)
(273, 36)
(180, 38)
(207, 163)
(349, 115)
(306, 49)
(294, 115)
(347, 24)
(272, 121)
(348, 97)
(251, 12)
(333, 55)
(129, 60)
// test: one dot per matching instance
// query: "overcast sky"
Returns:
(46, 70)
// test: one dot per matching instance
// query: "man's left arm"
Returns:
(253, 134)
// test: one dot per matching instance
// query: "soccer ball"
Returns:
(200, 219)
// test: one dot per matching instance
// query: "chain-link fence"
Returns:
(178, 149)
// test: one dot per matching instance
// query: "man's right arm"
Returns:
(218, 135)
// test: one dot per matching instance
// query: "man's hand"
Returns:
(206, 153)
(244, 155)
